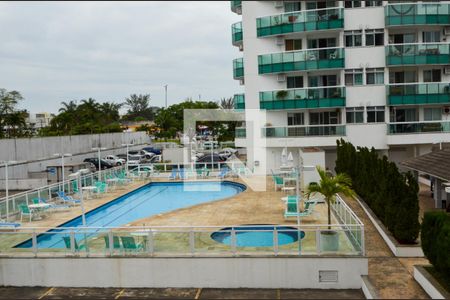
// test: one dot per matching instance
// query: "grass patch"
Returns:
(443, 279)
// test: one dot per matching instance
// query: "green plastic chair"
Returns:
(278, 181)
(116, 242)
(25, 211)
(75, 186)
(129, 244)
(77, 247)
(36, 200)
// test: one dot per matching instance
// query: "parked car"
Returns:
(155, 159)
(115, 160)
(152, 150)
(227, 152)
(134, 160)
(122, 156)
(144, 153)
(103, 163)
(209, 160)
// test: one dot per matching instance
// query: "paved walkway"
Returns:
(392, 277)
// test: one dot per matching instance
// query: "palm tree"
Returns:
(329, 186)
(227, 103)
(68, 107)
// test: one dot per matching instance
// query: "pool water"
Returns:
(151, 199)
(259, 236)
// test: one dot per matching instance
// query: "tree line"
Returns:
(392, 195)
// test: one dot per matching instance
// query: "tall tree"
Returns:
(138, 106)
(10, 118)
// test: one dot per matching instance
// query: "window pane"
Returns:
(370, 78)
(348, 41)
(380, 116)
(379, 39)
(358, 79)
(370, 116)
(369, 40)
(358, 40)
(350, 118)
(359, 117)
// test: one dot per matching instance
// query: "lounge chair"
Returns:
(223, 173)
(291, 209)
(67, 199)
(182, 174)
(52, 205)
(25, 211)
(116, 243)
(9, 225)
(173, 175)
(77, 247)
(129, 244)
(278, 182)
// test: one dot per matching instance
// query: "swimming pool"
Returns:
(151, 199)
(258, 236)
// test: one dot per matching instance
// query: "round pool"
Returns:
(258, 236)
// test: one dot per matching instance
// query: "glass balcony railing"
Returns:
(303, 131)
(319, 97)
(240, 132)
(236, 33)
(418, 127)
(238, 68)
(239, 101)
(418, 54)
(417, 14)
(301, 60)
(300, 21)
(418, 93)
(236, 7)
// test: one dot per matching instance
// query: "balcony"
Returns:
(304, 131)
(301, 60)
(418, 93)
(239, 101)
(417, 14)
(418, 127)
(238, 68)
(236, 33)
(320, 97)
(300, 21)
(240, 132)
(418, 54)
(236, 7)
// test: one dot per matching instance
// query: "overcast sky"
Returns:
(58, 51)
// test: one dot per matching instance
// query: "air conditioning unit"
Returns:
(446, 30)
(446, 109)
(241, 47)
(241, 81)
(278, 4)
(280, 40)
(281, 77)
(447, 70)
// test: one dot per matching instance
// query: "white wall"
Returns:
(275, 272)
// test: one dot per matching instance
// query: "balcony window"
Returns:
(403, 77)
(375, 76)
(323, 118)
(294, 82)
(320, 4)
(296, 119)
(353, 38)
(355, 114)
(292, 6)
(404, 38)
(351, 4)
(353, 77)
(374, 3)
(431, 36)
(375, 37)
(404, 115)
(375, 114)
(291, 45)
(432, 113)
(432, 75)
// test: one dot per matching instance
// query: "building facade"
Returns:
(375, 73)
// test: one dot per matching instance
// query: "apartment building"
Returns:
(375, 73)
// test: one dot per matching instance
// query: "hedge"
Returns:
(392, 195)
(435, 239)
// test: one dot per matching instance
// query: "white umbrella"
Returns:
(290, 158)
(284, 156)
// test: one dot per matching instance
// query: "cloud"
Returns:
(58, 51)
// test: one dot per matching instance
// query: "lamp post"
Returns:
(5, 163)
(62, 163)
(99, 161)
(165, 90)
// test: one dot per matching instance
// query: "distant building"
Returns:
(39, 120)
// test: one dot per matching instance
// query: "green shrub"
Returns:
(435, 239)
(391, 195)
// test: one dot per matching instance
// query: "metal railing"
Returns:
(238, 68)
(304, 130)
(236, 33)
(418, 127)
(302, 240)
(348, 218)
(417, 13)
(48, 192)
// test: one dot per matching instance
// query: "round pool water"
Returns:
(258, 236)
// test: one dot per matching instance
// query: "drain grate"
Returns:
(328, 276)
